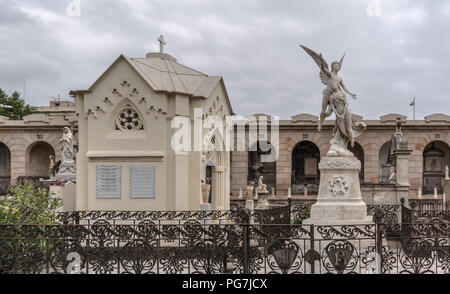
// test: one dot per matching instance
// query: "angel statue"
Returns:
(334, 101)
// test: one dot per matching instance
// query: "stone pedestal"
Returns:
(262, 199)
(339, 201)
(206, 207)
(66, 176)
(250, 204)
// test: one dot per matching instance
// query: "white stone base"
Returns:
(249, 204)
(66, 176)
(339, 201)
(205, 207)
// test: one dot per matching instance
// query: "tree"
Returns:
(19, 108)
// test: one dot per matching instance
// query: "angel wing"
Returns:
(321, 62)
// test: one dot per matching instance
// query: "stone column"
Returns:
(218, 185)
(402, 159)
(181, 180)
(402, 174)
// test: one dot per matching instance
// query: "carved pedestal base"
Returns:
(339, 201)
(262, 200)
(66, 176)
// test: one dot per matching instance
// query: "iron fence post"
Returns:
(312, 241)
(379, 215)
(244, 215)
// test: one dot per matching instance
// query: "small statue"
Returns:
(446, 173)
(51, 165)
(393, 175)
(67, 157)
(261, 187)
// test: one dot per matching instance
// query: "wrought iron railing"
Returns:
(209, 249)
(401, 240)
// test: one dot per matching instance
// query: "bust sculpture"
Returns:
(334, 101)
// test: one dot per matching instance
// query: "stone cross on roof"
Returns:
(161, 43)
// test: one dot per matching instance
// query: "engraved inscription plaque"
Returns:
(142, 181)
(108, 181)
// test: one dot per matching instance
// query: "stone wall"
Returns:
(30, 141)
(304, 128)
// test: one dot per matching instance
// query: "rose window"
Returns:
(128, 120)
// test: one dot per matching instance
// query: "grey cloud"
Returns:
(252, 44)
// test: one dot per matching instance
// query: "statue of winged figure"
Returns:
(334, 101)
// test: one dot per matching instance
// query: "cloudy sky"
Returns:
(395, 49)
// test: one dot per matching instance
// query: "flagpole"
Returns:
(413, 104)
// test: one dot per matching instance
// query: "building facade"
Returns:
(26, 145)
(301, 146)
(129, 121)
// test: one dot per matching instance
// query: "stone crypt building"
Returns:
(301, 146)
(126, 160)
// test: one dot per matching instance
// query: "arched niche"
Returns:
(358, 151)
(384, 164)
(305, 168)
(5, 168)
(217, 171)
(435, 159)
(261, 162)
(38, 160)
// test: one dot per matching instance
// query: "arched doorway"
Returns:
(435, 159)
(305, 168)
(38, 160)
(5, 168)
(259, 165)
(358, 151)
(217, 172)
(384, 163)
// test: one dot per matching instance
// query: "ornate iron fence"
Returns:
(241, 246)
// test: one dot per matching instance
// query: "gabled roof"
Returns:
(163, 73)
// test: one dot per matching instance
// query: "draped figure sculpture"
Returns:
(67, 154)
(335, 101)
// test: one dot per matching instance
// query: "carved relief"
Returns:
(107, 100)
(91, 112)
(338, 164)
(338, 186)
(128, 119)
(129, 92)
(215, 109)
(156, 112)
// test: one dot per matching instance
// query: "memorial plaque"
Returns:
(108, 181)
(311, 167)
(142, 181)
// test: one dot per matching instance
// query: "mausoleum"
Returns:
(125, 118)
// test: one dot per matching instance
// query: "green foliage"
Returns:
(298, 220)
(29, 205)
(19, 110)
